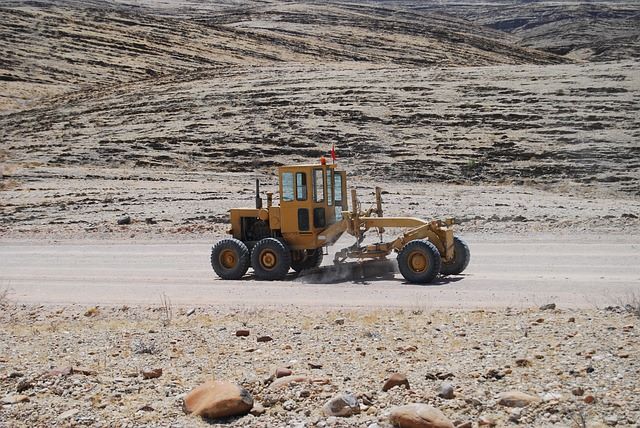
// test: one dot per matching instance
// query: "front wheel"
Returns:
(270, 259)
(460, 261)
(419, 261)
(230, 258)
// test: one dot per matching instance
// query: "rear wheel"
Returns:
(270, 259)
(460, 261)
(230, 258)
(306, 259)
(419, 261)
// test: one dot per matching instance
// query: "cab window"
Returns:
(318, 185)
(338, 189)
(287, 186)
(329, 187)
(301, 186)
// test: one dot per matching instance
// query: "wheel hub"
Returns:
(228, 259)
(268, 259)
(418, 262)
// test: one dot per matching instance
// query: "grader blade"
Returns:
(350, 271)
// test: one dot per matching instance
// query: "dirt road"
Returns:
(518, 271)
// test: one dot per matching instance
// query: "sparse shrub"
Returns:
(631, 304)
(92, 312)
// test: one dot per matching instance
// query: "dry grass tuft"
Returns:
(166, 310)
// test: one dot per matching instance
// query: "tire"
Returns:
(230, 258)
(462, 255)
(306, 259)
(419, 261)
(270, 259)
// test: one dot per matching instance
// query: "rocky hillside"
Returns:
(582, 30)
(55, 47)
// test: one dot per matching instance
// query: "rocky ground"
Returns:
(82, 366)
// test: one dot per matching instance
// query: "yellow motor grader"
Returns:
(313, 213)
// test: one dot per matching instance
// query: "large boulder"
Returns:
(217, 399)
(419, 415)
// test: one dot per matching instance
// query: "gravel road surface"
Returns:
(578, 271)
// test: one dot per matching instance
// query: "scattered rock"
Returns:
(124, 220)
(68, 414)
(446, 391)
(264, 339)
(611, 420)
(60, 371)
(191, 312)
(396, 379)
(571, 319)
(289, 405)
(419, 416)
(218, 399)
(467, 424)
(516, 399)
(577, 391)
(286, 380)
(282, 372)
(148, 373)
(343, 405)
(339, 321)
(242, 332)
(23, 385)
(14, 399)
(548, 307)
(523, 362)
(315, 365)
(515, 415)
(487, 421)
(589, 399)
(257, 409)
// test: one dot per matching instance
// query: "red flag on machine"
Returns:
(333, 153)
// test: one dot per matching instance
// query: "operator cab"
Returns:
(312, 197)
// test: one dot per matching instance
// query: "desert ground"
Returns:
(519, 119)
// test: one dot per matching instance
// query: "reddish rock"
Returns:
(589, 399)
(217, 399)
(396, 379)
(487, 421)
(282, 372)
(148, 373)
(265, 339)
(242, 333)
(419, 416)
